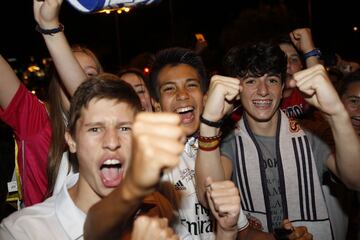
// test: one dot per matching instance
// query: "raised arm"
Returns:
(344, 163)
(157, 145)
(9, 83)
(46, 14)
(221, 92)
(303, 41)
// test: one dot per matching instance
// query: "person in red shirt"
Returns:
(29, 118)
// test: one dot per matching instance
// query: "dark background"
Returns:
(118, 38)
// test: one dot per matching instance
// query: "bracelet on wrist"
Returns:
(209, 143)
(211, 123)
(51, 32)
(313, 53)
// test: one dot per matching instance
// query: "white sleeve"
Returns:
(242, 221)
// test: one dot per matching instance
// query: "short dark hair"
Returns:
(103, 86)
(348, 80)
(173, 57)
(256, 59)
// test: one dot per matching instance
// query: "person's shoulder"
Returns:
(29, 215)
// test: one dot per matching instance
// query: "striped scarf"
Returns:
(303, 201)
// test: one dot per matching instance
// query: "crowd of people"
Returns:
(128, 156)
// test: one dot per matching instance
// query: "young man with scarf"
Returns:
(178, 83)
(275, 164)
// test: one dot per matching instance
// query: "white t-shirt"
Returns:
(55, 218)
(193, 216)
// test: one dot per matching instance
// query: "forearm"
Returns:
(108, 218)
(312, 61)
(347, 147)
(207, 164)
(46, 14)
(68, 68)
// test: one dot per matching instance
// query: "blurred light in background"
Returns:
(117, 10)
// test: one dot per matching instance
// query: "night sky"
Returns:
(118, 38)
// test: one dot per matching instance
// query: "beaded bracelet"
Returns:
(209, 143)
(51, 32)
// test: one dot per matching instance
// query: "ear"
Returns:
(70, 141)
(156, 105)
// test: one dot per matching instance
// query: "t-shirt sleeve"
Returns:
(226, 148)
(321, 151)
(26, 114)
(242, 221)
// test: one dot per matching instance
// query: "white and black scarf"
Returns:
(303, 200)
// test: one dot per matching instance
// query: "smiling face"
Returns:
(260, 98)
(351, 100)
(180, 92)
(102, 143)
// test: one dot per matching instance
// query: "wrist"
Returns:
(230, 233)
(131, 192)
(339, 117)
(308, 47)
(50, 29)
(312, 53)
(209, 143)
(206, 121)
(208, 131)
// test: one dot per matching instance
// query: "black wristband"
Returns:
(210, 123)
(52, 31)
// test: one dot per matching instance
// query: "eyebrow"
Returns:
(102, 123)
(294, 55)
(187, 80)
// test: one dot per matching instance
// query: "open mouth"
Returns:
(112, 172)
(186, 114)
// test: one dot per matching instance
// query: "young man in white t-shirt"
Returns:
(107, 138)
